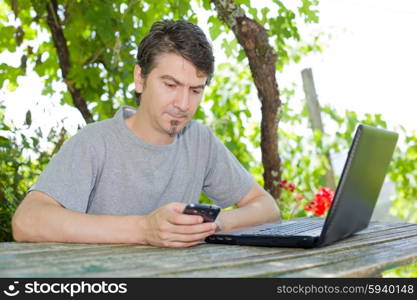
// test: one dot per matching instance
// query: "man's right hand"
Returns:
(167, 226)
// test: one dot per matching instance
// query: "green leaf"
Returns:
(207, 4)
(308, 11)
(216, 27)
(7, 40)
(244, 2)
(39, 6)
(412, 152)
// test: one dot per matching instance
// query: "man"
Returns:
(128, 179)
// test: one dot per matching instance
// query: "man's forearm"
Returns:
(260, 210)
(39, 218)
(50, 223)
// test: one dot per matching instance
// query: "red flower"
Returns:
(283, 184)
(322, 201)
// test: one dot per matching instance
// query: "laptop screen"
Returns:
(360, 183)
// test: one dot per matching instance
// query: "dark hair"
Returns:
(179, 37)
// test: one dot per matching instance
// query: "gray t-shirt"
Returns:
(106, 169)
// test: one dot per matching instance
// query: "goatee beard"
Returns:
(173, 129)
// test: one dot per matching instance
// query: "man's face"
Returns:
(171, 93)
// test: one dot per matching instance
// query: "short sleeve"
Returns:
(226, 181)
(70, 176)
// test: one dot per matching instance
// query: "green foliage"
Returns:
(309, 11)
(304, 159)
(103, 35)
(102, 38)
(225, 110)
(404, 174)
(402, 272)
(10, 74)
(21, 162)
(281, 24)
(302, 162)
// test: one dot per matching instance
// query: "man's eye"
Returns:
(197, 92)
(170, 85)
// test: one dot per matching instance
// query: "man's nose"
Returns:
(182, 100)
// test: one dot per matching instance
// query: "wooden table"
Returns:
(380, 247)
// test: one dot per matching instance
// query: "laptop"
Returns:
(352, 206)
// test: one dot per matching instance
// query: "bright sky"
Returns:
(368, 66)
(370, 63)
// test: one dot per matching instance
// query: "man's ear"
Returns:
(137, 76)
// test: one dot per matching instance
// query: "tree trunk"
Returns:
(64, 60)
(262, 61)
(314, 113)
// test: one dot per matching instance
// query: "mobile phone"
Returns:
(208, 212)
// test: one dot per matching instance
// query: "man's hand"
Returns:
(167, 226)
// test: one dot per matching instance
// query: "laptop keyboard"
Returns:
(293, 228)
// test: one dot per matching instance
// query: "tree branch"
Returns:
(96, 57)
(64, 59)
